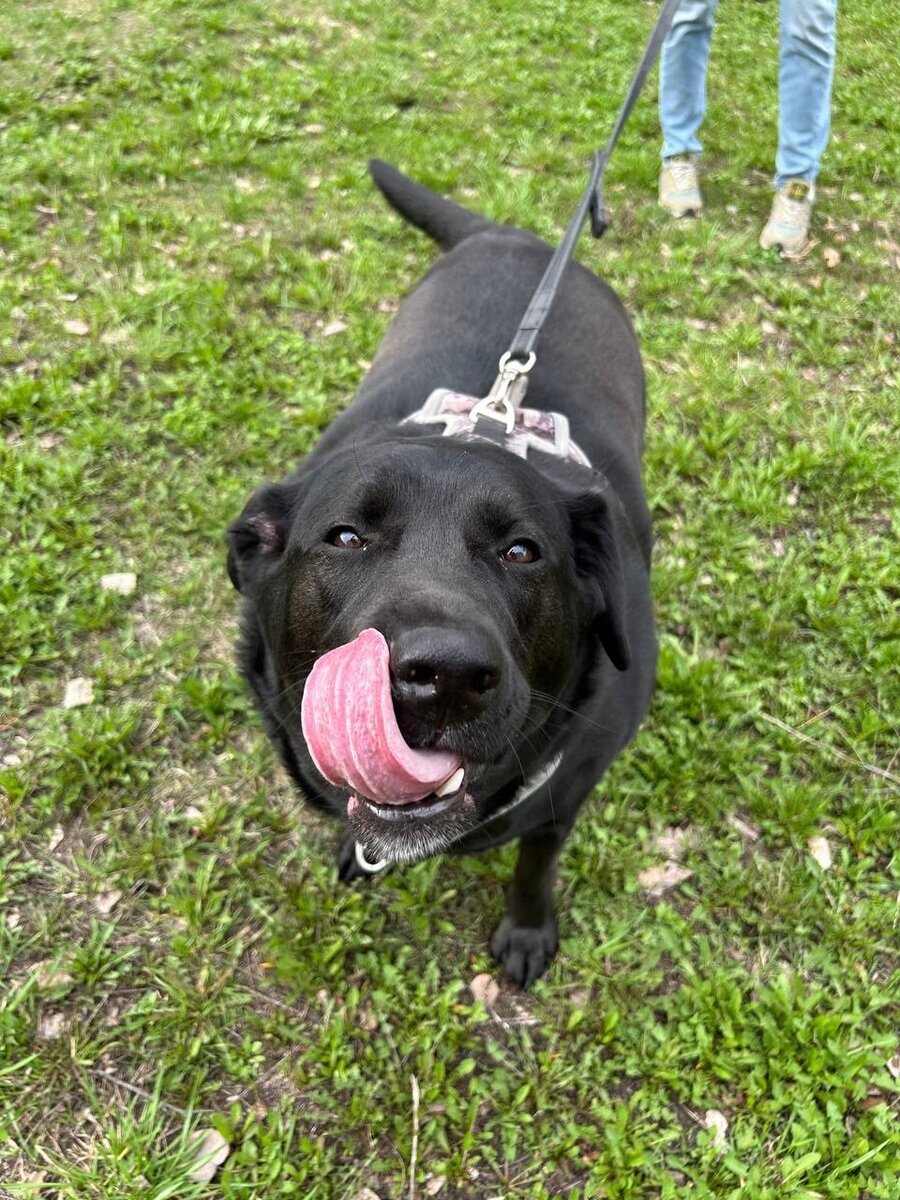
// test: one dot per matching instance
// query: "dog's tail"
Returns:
(448, 223)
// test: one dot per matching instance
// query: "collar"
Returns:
(531, 785)
(531, 429)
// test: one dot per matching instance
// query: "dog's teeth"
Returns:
(452, 784)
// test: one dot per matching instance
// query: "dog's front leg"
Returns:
(526, 939)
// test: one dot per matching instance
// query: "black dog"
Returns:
(513, 592)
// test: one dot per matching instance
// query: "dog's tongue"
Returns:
(352, 733)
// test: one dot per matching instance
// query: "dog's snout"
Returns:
(441, 676)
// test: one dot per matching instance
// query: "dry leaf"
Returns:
(49, 976)
(55, 838)
(434, 1185)
(209, 1149)
(13, 919)
(485, 988)
(77, 326)
(672, 843)
(314, 127)
(78, 692)
(746, 830)
(821, 851)
(334, 327)
(106, 902)
(893, 1065)
(365, 1194)
(123, 582)
(656, 881)
(832, 257)
(51, 1026)
(717, 1123)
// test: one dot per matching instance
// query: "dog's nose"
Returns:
(441, 677)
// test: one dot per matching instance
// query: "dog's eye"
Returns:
(521, 552)
(346, 538)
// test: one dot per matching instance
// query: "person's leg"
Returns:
(682, 104)
(682, 77)
(806, 72)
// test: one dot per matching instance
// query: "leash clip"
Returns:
(507, 392)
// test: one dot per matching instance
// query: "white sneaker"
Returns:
(788, 225)
(679, 187)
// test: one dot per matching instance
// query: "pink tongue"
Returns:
(352, 733)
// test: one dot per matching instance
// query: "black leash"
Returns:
(509, 386)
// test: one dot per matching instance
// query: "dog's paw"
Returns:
(524, 951)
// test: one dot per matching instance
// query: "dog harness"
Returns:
(519, 430)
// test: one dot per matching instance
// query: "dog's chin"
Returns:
(394, 836)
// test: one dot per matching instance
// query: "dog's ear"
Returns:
(259, 534)
(597, 528)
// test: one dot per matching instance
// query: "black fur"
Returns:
(568, 639)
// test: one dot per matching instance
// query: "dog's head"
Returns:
(493, 583)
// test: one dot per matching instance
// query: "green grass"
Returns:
(185, 212)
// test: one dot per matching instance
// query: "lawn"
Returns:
(194, 272)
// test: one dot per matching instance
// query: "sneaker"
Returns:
(788, 225)
(679, 187)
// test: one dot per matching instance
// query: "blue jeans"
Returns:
(806, 70)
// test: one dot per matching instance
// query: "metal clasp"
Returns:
(507, 392)
(370, 868)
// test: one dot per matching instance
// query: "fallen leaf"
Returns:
(365, 1194)
(893, 1065)
(334, 327)
(13, 919)
(48, 975)
(485, 989)
(209, 1149)
(77, 326)
(434, 1185)
(78, 692)
(821, 851)
(746, 830)
(717, 1123)
(832, 257)
(55, 838)
(51, 1026)
(793, 496)
(656, 881)
(314, 127)
(106, 902)
(123, 582)
(778, 548)
(672, 843)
